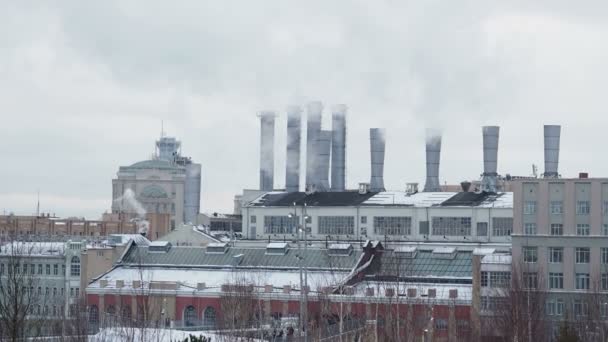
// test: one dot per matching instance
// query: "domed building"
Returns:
(166, 184)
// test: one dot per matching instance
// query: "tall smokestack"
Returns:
(292, 167)
(490, 158)
(324, 148)
(313, 130)
(433, 153)
(552, 135)
(338, 148)
(377, 146)
(267, 150)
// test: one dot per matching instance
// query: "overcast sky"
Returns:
(84, 87)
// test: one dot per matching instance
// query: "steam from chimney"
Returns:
(313, 130)
(292, 170)
(552, 137)
(377, 147)
(128, 203)
(490, 158)
(338, 148)
(433, 153)
(324, 148)
(267, 150)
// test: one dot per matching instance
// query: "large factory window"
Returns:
(482, 228)
(337, 225)
(392, 225)
(279, 224)
(453, 226)
(502, 226)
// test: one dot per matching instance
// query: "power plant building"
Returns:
(169, 183)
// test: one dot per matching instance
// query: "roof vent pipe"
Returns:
(552, 135)
(377, 149)
(433, 153)
(324, 148)
(490, 158)
(292, 161)
(338, 148)
(313, 129)
(267, 150)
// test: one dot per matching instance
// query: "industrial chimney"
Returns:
(433, 152)
(377, 146)
(490, 158)
(267, 150)
(338, 148)
(313, 130)
(552, 135)
(324, 148)
(292, 161)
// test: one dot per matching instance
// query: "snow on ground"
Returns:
(149, 335)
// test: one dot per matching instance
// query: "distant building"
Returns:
(464, 217)
(188, 235)
(166, 184)
(217, 222)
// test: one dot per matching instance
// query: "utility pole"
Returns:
(294, 216)
(305, 225)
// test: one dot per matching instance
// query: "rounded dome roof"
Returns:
(154, 191)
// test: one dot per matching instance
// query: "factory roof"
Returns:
(313, 258)
(424, 264)
(188, 235)
(386, 198)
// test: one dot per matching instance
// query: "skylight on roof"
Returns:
(340, 249)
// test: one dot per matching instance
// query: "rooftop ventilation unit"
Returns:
(159, 246)
(377, 147)
(216, 248)
(363, 188)
(490, 158)
(408, 252)
(277, 248)
(338, 148)
(411, 188)
(433, 153)
(552, 137)
(267, 150)
(444, 253)
(292, 161)
(340, 249)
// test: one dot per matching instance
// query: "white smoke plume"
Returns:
(129, 203)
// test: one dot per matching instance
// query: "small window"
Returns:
(253, 219)
(557, 229)
(556, 280)
(556, 255)
(529, 207)
(482, 228)
(530, 228)
(56, 269)
(48, 269)
(530, 280)
(582, 229)
(582, 281)
(582, 255)
(363, 219)
(557, 207)
(530, 254)
(40, 269)
(604, 251)
(583, 207)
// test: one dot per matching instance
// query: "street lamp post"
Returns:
(295, 225)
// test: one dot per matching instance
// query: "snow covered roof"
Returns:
(33, 248)
(497, 259)
(125, 238)
(419, 199)
(277, 245)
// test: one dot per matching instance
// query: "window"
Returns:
(555, 307)
(77, 292)
(39, 290)
(1, 268)
(605, 208)
(451, 226)
(190, 316)
(502, 226)
(604, 251)
(581, 308)
(279, 224)
(253, 219)
(48, 269)
(392, 225)
(63, 270)
(530, 280)
(75, 266)
(40, 269)
(209, 317)
(582, 281)
(337, 225)
(54, 292)
(530, 228)
(582, 229)
(582, 255)
(557, 207)
(484, 279)
(423, 227)
(582, 207)
(556, 255)
(32, 269)
(363, 219)
(500, 279)
(530, 254)
(441, 324)
(529, 207)
(557, 229)
(62, 291)
(56, 269)
(94, 316)
(605, 281)
(605, 229)
(482, 228)
(71, 292)
(604, 309)
(556, 280)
